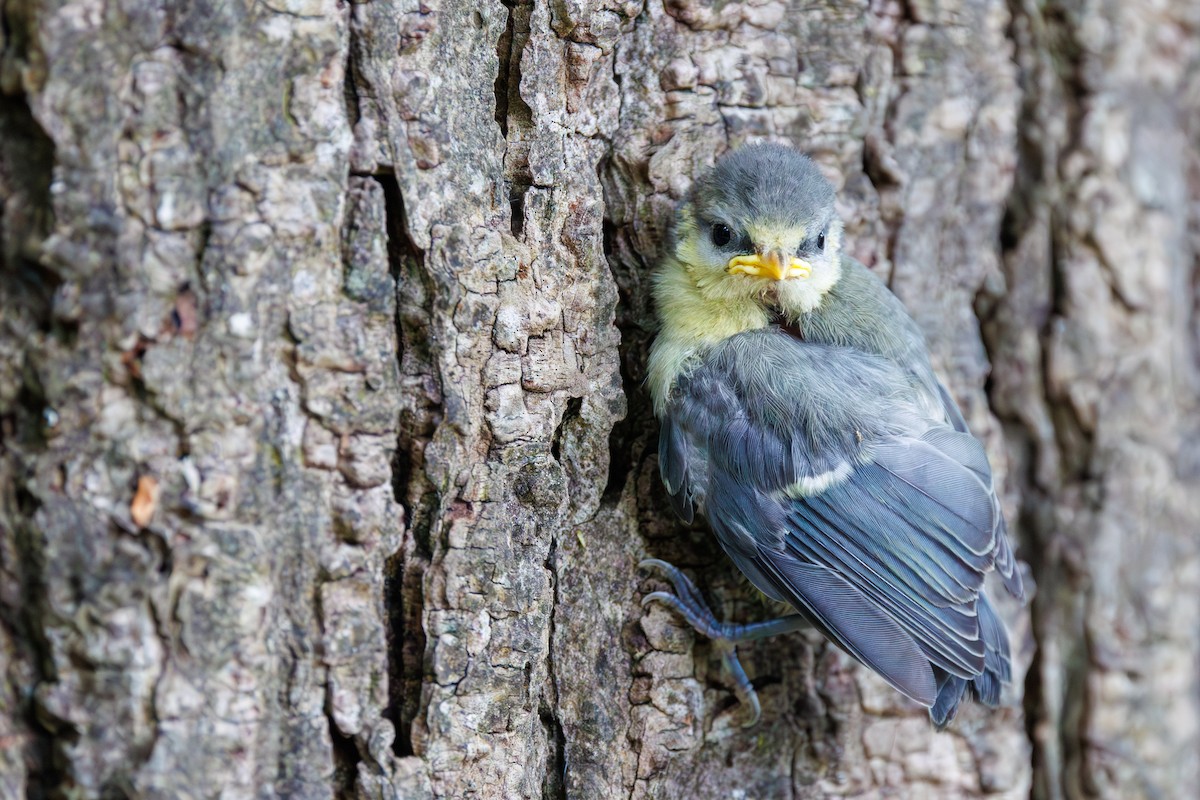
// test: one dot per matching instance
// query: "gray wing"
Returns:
(876, 524)
(673, 463)
(912, 532)
(1006, 562)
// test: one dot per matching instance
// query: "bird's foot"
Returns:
(688, 602)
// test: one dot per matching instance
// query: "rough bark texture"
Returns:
(325, 458)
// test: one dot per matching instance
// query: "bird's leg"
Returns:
(688, 602)
(726, 635)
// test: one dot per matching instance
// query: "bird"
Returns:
(800, 415)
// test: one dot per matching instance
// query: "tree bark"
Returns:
(326, 461)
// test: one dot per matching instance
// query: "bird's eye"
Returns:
(721, 235)
(821, 241)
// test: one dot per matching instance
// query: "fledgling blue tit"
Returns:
(801, 417)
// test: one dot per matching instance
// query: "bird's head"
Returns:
(761, 226)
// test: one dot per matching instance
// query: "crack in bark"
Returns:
(554, 786)
(44, 744)
(343, 748)
(1056, 716)
(504, 52)
(27, 156)
(404, 571)
(513, 114)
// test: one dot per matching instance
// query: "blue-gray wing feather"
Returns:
(849, 618)
(673, 468)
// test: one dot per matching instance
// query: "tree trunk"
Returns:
(326, 461)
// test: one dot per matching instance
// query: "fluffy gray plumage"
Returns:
(767, 184)
(830, 462)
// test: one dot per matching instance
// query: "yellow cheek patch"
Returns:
(770, 266)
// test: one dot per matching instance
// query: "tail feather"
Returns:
(950, 691)
(985, 687)
(997, 659)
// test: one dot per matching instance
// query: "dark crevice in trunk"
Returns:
(619, 438)
(572, 412)
(504, 48)
(554, 783)
(404, 571)
(1051, 104)
(511, 109)
(516, 202)
(632, 273)
(415, 357)
(346, 759)
(350, 89)
(513, 114)
(623, 438)
(28, 287)
(46, 777)
(554, 786)
(345, 754)
(26, 167)
(1025, 201)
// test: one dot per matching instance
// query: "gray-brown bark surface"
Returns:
(325, 458)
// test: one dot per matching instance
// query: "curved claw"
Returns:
(684, 588)
(674, 574)
(742, 686)
(665, 597)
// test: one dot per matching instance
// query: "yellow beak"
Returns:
(774, 265)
